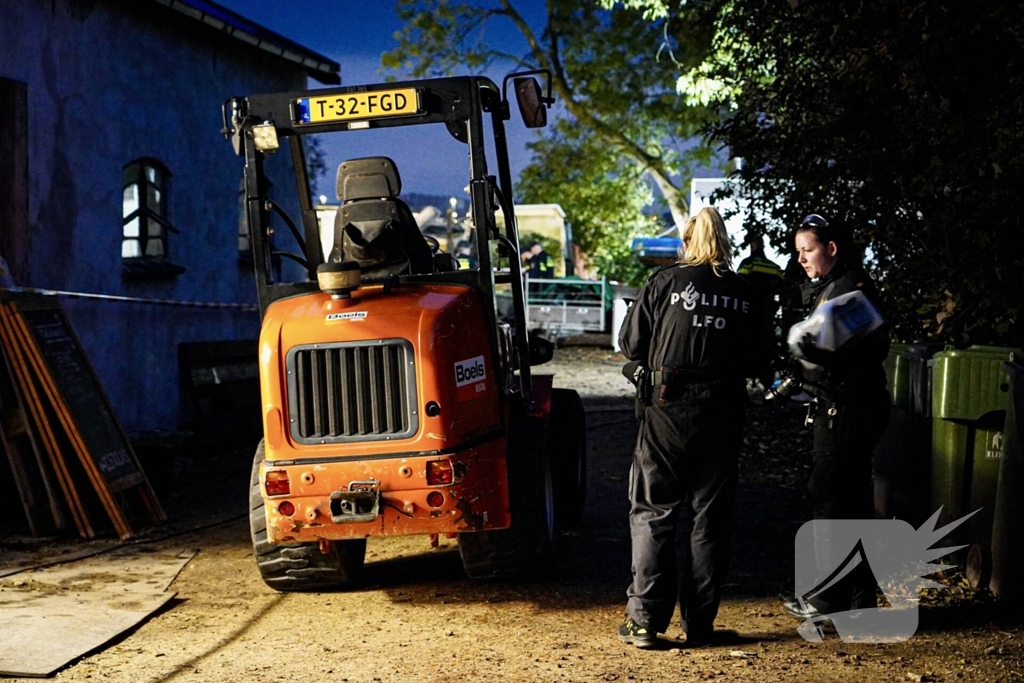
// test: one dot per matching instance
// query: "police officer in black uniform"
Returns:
(695, 327)
(767, 278)
(539, 266)
(849, 419)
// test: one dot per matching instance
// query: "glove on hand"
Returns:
(812, 353)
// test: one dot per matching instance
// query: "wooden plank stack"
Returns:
(69, 458)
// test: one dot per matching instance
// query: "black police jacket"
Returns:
(706, 326)
(856, 370)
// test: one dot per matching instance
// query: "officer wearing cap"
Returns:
(695, 327)
(541, 264)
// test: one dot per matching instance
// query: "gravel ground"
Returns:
(417, 618)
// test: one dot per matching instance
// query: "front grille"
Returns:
(352, 391)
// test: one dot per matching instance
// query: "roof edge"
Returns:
(224, 20)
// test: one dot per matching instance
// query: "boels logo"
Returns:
(470, 371)
(355, 315)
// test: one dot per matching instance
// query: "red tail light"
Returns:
(277, 483)
(439, 472)
(286, 508)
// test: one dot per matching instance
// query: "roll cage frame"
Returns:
(459, 103)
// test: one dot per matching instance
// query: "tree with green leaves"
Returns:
(901, 120)
(603, 194)
(611, 79)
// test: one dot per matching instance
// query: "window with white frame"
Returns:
(144, 210)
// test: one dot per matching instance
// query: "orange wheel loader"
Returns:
(396, 398)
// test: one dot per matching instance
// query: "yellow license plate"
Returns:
(374, 104)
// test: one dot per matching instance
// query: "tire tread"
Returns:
(300, 567)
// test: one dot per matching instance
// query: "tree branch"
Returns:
(650, 163)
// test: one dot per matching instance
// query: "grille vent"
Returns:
(352, 392)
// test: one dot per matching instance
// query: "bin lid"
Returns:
(980, 350)
(906, 373)
(969, 383)
(917, 350)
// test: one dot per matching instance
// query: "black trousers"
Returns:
(841, 488)
(683, 479)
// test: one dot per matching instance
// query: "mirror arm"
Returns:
(548, 100)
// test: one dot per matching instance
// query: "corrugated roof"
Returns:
(221, 19)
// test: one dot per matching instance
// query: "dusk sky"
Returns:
(355, 34)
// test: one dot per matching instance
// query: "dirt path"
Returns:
(419, 619)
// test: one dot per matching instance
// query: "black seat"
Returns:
(373, 227)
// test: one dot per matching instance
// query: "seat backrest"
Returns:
(372, 226)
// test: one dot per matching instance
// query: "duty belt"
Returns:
(668, 376)
(667, 381)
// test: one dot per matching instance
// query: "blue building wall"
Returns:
(109, 82)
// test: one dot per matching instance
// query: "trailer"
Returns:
(559, 307)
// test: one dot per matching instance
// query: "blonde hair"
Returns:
(706, 240)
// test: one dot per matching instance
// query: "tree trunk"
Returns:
(674, 197)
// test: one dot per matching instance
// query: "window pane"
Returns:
(153, 199)
(131, 228)
(154, 229)
(154, 247)
(130, 249)
(131, 174)
(151, 174)
(130, 201)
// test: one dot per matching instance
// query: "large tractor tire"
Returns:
(526, 550)
(567, 453)
(300, 567)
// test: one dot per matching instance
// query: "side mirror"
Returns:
(541, 350)
(531, 102)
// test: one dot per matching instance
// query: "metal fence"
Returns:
(565, 305)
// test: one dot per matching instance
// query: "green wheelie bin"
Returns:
(1007, 549)
(902, 458)
(969, 400)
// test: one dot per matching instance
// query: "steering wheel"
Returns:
(432, 242)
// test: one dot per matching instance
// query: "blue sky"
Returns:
(355, 33)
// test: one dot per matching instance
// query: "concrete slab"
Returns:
(50, 617)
